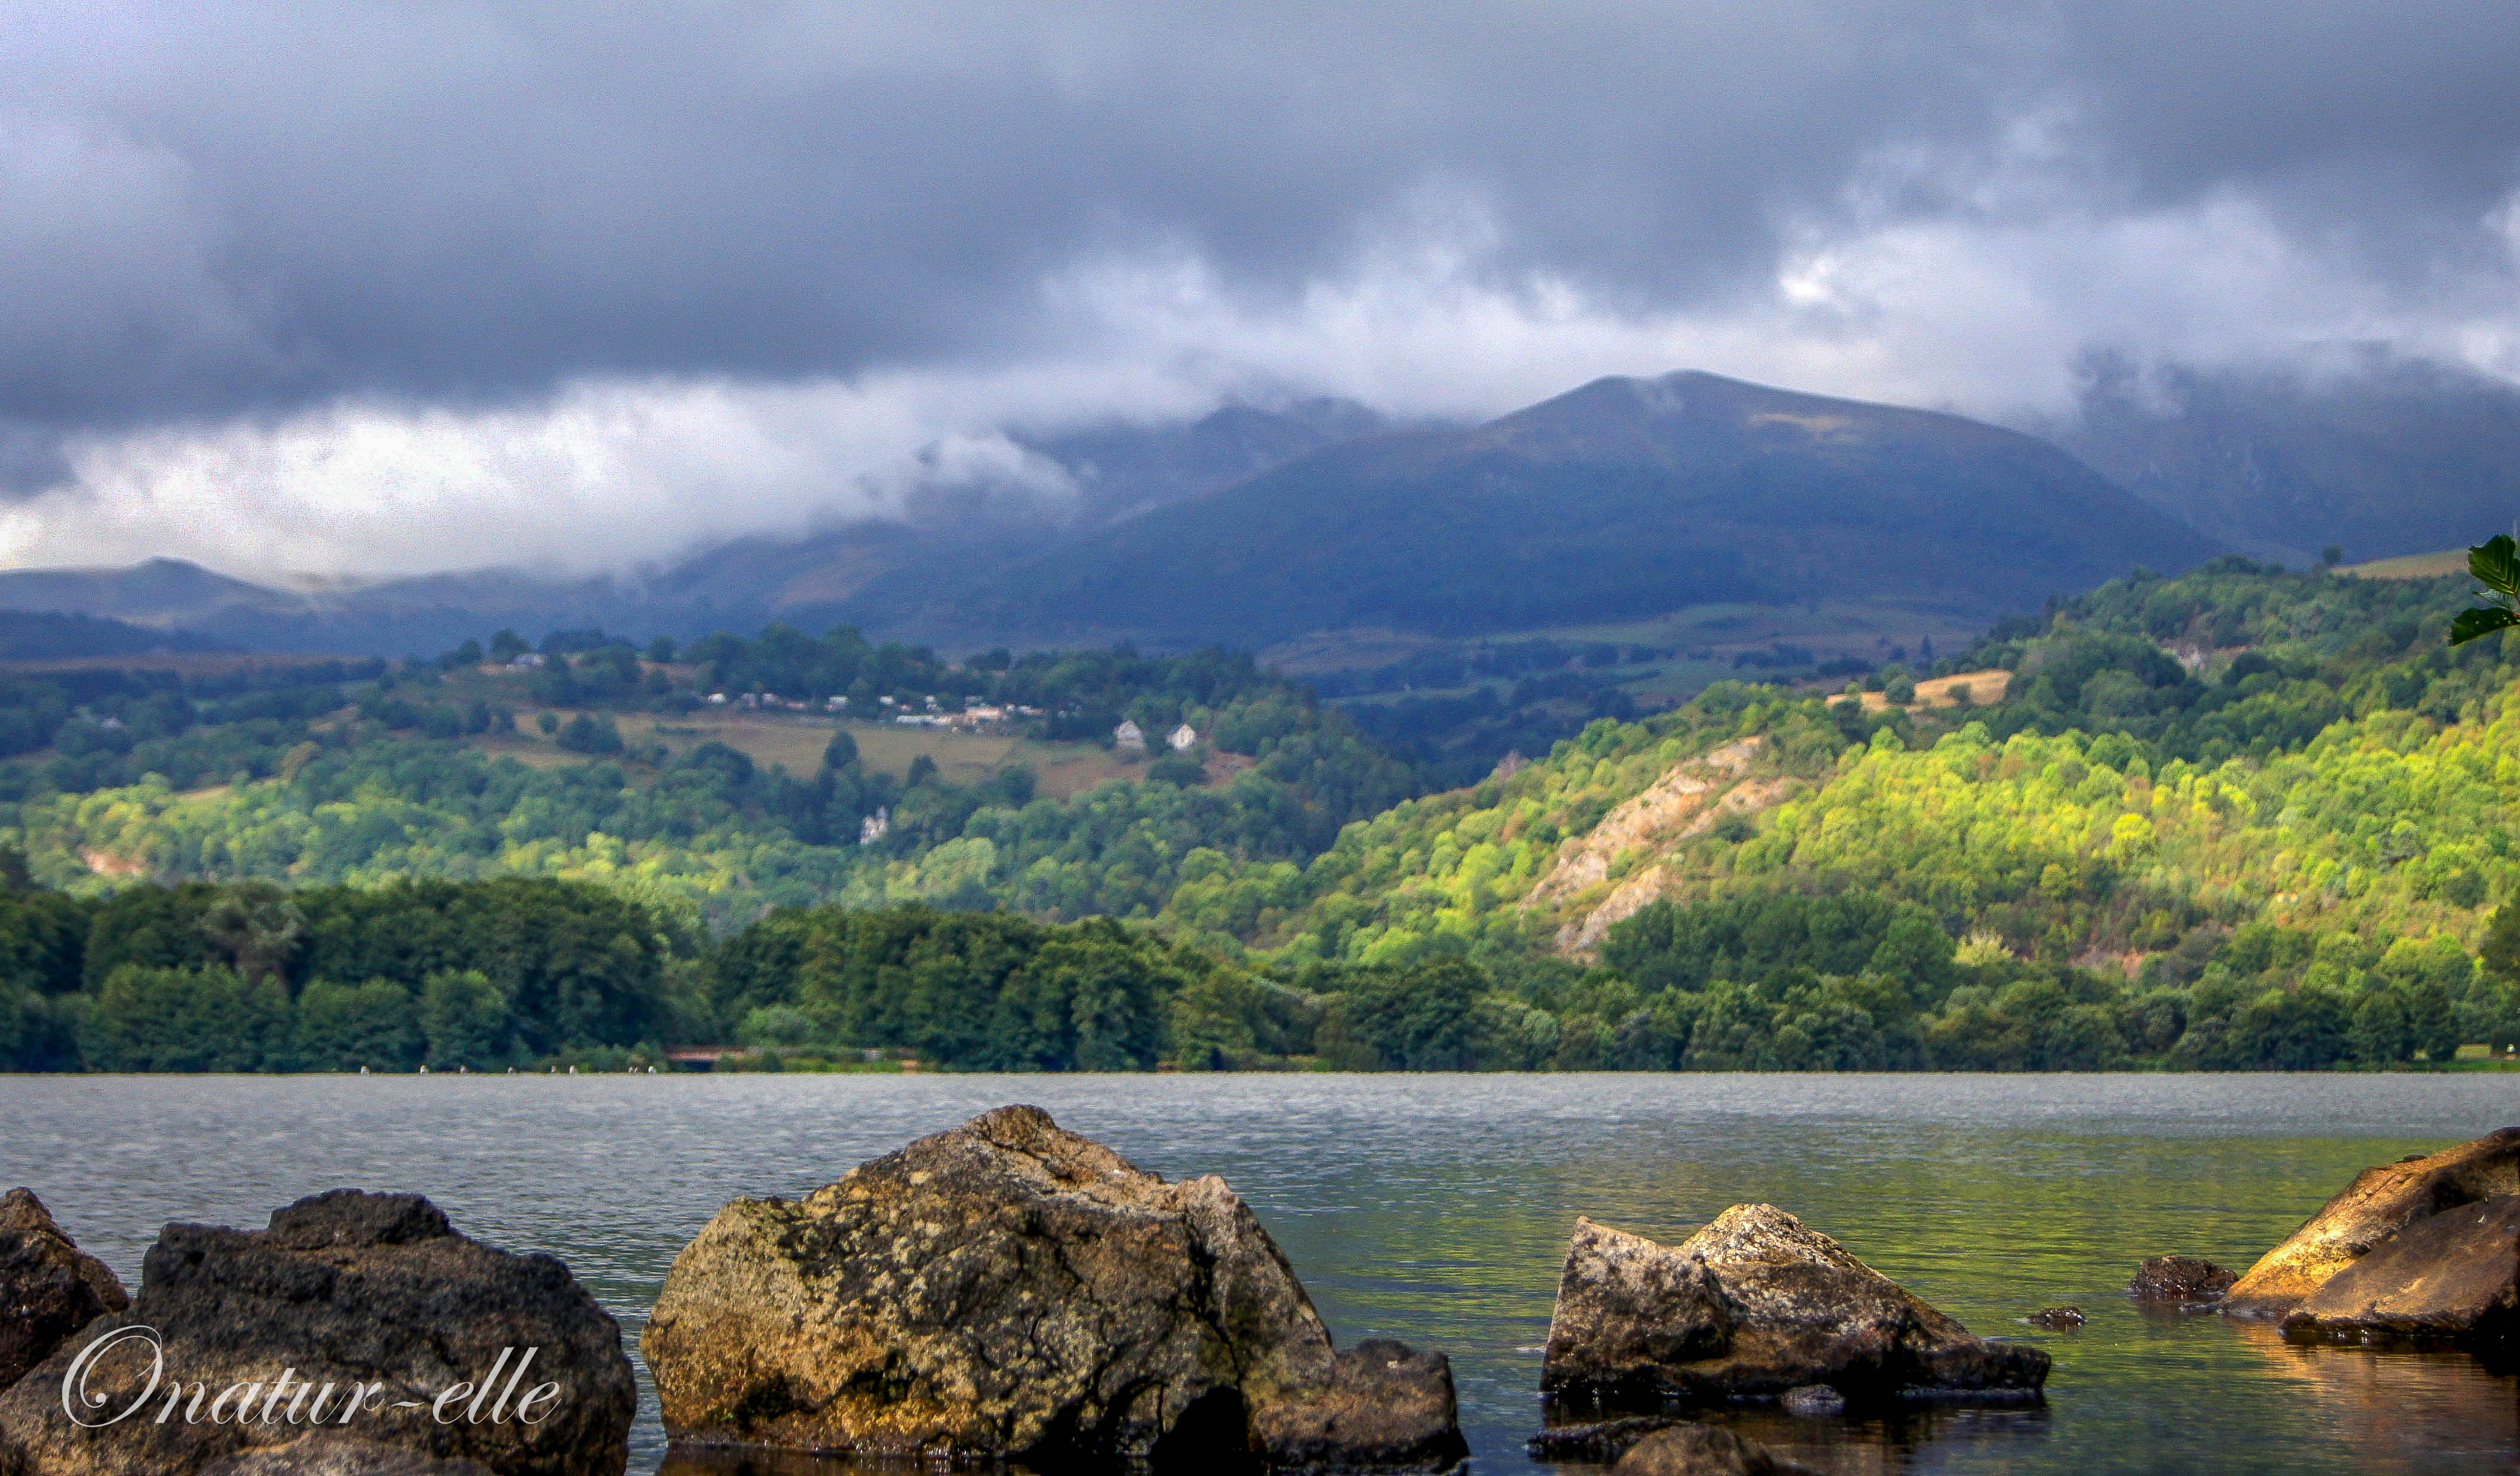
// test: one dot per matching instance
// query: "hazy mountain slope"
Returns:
(2398, 458)
(1123, 468)
(870, 572)
(1622, 499)
(159, 593)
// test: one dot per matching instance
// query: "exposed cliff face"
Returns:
(1689, 799)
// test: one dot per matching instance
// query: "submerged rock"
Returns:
(1704, 1450)
(2058, 1317)
(2453, 1276)
(1009, 1289)
(1812, 1402)
(48, 1287)
(2181, 1280)
(1752, 1305)
(1596, 1442)
(1387, 1408)
(2379, 1203)
(342, 1289)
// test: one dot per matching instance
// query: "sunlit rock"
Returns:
(2453, 1276)
(1750, 1306)
(2379, 1203)
(1009, 1289)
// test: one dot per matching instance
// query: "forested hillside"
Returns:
(330, 774)
(2240, 818)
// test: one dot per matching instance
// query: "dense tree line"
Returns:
(198, 977)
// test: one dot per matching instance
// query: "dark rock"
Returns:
(1813, 1401)
(1752, 1305)
(344, 1290)
(1010, 1290)
(2181, 1280)
(315, 1456)
(1387, 1408)
(2379, 1204)
(2058, 1317)
(1704, 1450)
(48, 1287)
(2453, 1276)
(1597, 1443)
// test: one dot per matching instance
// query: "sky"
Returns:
(353, 290)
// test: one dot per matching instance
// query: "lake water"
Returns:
(1435, 1209)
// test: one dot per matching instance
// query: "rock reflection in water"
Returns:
(2401, 1409)
(1875, 1445)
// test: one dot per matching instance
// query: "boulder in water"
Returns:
(2180, 1282)
(1750, 1306)
(1596, 1442)
(2453, 1276)
(1704, 1450)
(1009, 1289)
(343, 1291)
(48, 1287)
(2379, 1203)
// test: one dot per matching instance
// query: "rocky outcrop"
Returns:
(2453, 1276)
(343, 1291)
(315, 1456)
(1750, 1306)
(1009, 1289)
(1656, 813)
(1704, 1450)
(2180, 1282)
(48, 1287)
(2379, 1203)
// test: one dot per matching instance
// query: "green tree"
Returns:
(186, 1019)
(464, 1020)
(342, 1027)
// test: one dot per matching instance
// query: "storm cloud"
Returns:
(367, 288)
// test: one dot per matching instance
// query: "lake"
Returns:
(1435, 1209)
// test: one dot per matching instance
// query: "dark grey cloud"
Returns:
(212, 210)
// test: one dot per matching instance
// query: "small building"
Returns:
(1129, 736)
(1183, 737)
(528, 661)
(874, 826)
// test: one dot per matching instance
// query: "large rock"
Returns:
(2451, 1278)
(2379, 1204)
(1750, 1306)
(48, 1287)
(342, 1289)
(1704, 1450)
(1009, 1289)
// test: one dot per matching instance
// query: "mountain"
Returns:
(161, 593)
(2382, 456)
(1624, 499)
(871, 571)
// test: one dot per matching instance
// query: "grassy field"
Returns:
(2412, 565)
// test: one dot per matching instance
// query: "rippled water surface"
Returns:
(1435, 1209)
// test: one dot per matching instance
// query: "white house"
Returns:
(874, 826)
(1130, 736)
(1182, 737)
